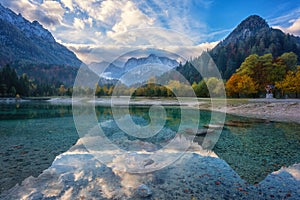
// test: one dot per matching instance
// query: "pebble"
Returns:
(144, 191)
(217, 182)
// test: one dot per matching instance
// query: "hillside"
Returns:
(252, 36)
(28, 42)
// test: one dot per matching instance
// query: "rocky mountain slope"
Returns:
(28, 42)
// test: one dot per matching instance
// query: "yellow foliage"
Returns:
(241, 84)
(291, 82)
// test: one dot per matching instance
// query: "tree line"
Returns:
(12, 85)
(249, 80)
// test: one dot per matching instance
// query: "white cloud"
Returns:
(294, 28)
(208, 45)
(53, 10)
(107, 11)
(68, 4)
(97, 33)
(78, 23)
(131, 17)
(89, 21)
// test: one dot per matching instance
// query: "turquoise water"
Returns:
(33, 134)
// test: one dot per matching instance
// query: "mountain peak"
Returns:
(253, 23)
(247, 28)
(252, 36)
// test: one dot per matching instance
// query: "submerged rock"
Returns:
(143, 191)
(202, 132)
(214, 126)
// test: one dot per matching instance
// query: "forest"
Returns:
(249, 81)
(12, 85)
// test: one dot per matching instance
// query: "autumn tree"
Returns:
(266, 70)
(240, 85)
(290, 83)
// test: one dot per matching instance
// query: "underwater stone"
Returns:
(144, 191)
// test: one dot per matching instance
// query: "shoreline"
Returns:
(282, 110)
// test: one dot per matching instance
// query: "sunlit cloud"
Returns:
(288, 23)
(109, 53)
(68, 4)
(78, 23)
(294, 27)
(208, 45)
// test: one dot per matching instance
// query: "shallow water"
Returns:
(259, 148)
(33, 134)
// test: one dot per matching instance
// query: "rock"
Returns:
(236, 123)
(143, 191)
(213, 126)
(202, 132)
(148, 162)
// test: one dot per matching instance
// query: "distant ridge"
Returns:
(115, 72)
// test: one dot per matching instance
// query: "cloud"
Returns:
(53, 11)
(285, 18)
(68, 4)
(208, 45)
(294, 28)
(48, 13)
(107, 11)
(288, 23)
(131, 17)
(78, 23)
(109, 53)
(177, 15)
(98, 53)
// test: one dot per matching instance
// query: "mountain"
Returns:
(135, 66)
(252, 36)
(28, 42)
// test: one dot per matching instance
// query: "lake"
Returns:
(33, 134)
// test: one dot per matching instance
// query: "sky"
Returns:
(101, 30)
